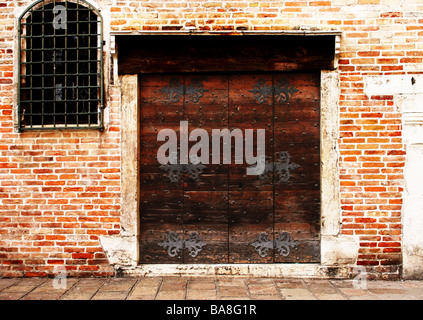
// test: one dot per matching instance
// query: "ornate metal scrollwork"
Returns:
(174, 245)
(261, 91)
(282, 91)
(175, 90)
(283, 166)
(195, 90)
(175, 170)
(194, 244)
(263, 244)
(282, 244)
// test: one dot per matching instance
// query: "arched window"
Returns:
(60, 66)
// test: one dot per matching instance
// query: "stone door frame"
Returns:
(338, 252)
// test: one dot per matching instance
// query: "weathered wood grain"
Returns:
(226, 208)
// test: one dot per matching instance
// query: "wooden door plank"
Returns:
(297, 152)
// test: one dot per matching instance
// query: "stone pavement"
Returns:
(202, 288)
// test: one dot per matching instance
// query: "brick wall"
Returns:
(59, 191)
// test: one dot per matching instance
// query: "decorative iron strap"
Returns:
(282, 244)
(283, 167)
(282, 91)
(174, 171)
(174, 245)
(175, 90)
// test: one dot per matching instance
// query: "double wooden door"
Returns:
(216, 213)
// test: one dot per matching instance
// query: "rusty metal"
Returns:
(281, 91)
(174, 245)
(176, 90)
(261, 91)
(283, 167)
(282, 244)
(174, 171)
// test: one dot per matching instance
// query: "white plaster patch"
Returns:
(340, 250)
(120, 250)
(393, 85)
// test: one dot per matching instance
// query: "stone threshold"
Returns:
(314, 271)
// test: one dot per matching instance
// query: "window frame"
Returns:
(99, 125)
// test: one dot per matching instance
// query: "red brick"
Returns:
(370, 132)
(82, 256)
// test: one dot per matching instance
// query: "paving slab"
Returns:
(263, 289)
(233, 291)
(24, 285)
(173, 285)
(110, 295)
(171, 295)
(55, 285)
(289, 283)
(5, 283)
(11, 295)
(148, 282)
(202, 285)
(43, 296)
(297, 294)
(206, 288)
(145, 290)
(194, 294)
(91, 282)
(227, 282)
(119, 285)
(78, 292)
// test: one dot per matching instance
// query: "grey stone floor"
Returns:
(205, 288)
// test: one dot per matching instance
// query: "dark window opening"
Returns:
(61, 63)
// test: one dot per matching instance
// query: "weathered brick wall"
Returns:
(59, 191)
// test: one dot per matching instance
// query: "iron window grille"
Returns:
(60, 66)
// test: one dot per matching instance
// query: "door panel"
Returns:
(216, 213)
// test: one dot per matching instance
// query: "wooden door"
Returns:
(216, 213)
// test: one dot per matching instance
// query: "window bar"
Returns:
(26, 69)
(58, 35)
(39, 49)
(62, 74)
(30, 83)
(51, 88)
(19, 75)
(101, 106)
